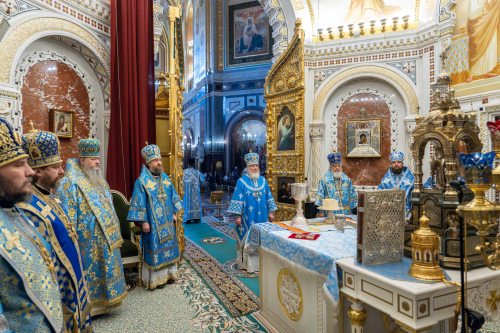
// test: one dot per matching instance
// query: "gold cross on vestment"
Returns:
(492, 302)
(46, 211)
(150, 185)
(13, 241)
(167, 183)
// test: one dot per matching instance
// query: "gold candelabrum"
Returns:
(481, 213)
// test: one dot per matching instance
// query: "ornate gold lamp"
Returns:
(425, 265)
(481, 213)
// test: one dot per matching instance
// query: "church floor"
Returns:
(188, 306)
(222, 252)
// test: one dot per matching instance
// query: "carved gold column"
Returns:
(317, 132)
(175, 88)
(357, 316)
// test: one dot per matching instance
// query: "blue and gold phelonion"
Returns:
(89, 147)
(150, 152)
(43, 148)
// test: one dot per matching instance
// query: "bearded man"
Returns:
(30, 300)
(252, 202)
(154, 204)
(399, 177)
(53, 224)
(87, 200)
(336, 185)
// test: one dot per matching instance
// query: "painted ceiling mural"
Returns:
(475, 51)
(329, 13)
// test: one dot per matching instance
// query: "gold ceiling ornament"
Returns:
(447, 127)
(425, 265)
(284, 94)
(168, 108)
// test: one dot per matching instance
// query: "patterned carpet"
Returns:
(220, 226)
(237, 298)
(188, 306)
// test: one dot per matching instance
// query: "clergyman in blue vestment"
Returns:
(336, 185)
(29, 293)
(192, 181)
(51, 221)
(253, 203)
(399, 177)
(154, 204)
(86, 197)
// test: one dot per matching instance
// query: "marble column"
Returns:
(317, 132)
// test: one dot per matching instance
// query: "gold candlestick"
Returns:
(341, 29)
(395, 23)
(406, 18)
(383, 22)
(351, 26)
(372, 26)
(361, 26)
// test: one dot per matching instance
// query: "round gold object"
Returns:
(405, 306)
(290, 294)
(292, 81)
(422, 308)
(349, 280)
(280, 85)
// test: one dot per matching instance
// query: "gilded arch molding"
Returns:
(393, 79)
(27, 32)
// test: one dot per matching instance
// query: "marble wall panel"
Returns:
(54, 85)
(365, 171)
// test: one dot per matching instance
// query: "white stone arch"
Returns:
(281, 16)
(380, 72)
(25, 29)
(32, 59)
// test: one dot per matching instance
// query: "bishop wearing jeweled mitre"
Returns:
(252, 202)
(86, 198)
(48, 216)
(337, 185)
(154, 204)
(30, 300)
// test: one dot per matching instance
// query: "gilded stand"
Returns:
(448, 128)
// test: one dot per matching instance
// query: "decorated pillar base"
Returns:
(357, 316)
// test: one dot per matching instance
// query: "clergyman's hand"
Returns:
(238, 221)
(271, 217)
(145, 227)
(175, 218)
(321, 214)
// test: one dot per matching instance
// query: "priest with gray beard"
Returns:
(252, 202)
(85, 196)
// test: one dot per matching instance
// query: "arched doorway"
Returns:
(248, 135)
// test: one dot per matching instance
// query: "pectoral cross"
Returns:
(13, 241)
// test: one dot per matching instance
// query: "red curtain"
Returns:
(132, 91)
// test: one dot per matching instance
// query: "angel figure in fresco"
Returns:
(483, 26)
(366, 10)
(286, 133)
(251, 39)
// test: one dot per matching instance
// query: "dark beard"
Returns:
(157, 171)
(396, 171)
(9, 195)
